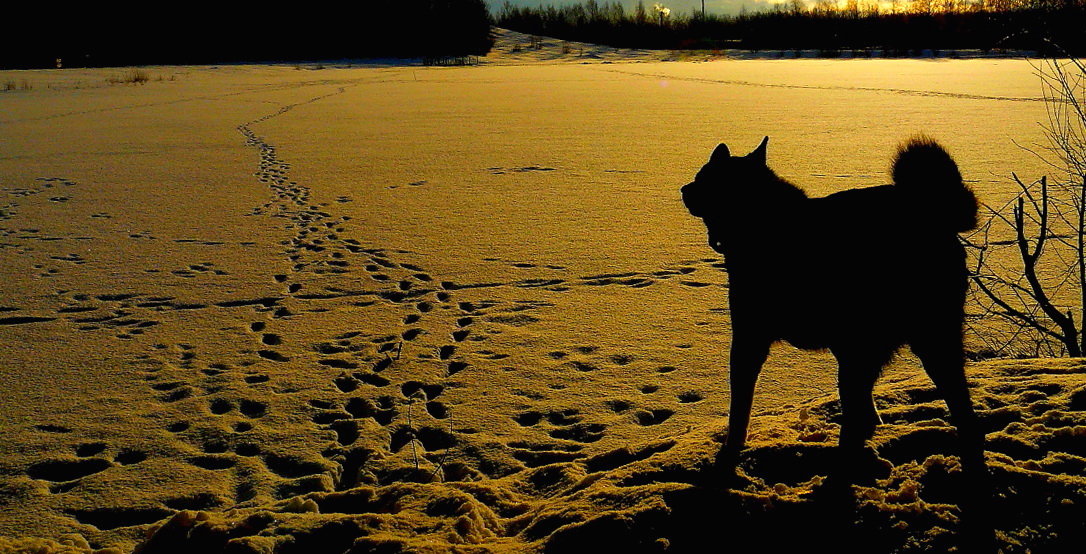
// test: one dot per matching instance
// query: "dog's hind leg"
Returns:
(748, 353)
(944, 363)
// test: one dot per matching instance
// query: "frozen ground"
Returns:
(230, 286)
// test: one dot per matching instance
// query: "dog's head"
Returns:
(705, 197)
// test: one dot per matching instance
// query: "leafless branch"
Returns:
(1028, 259)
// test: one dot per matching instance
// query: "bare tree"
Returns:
(1029, 256)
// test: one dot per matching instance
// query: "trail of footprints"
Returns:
(41, 185)
(568, 429)
(228, 399)
(225, 445)
(412, 410)
(318, 249)
(19, 238)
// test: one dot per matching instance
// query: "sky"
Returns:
(684, 6)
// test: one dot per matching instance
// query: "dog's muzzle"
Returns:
(694, 201)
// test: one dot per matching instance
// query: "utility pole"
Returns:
(703, 9)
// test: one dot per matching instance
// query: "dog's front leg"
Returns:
(748, 353)
(857, 373)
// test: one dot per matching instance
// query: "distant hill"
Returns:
(94, 35)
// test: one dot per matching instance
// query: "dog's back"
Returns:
(873, 264)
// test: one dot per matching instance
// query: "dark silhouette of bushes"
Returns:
(94, 35)
(912, 26)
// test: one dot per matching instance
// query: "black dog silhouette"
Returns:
(860, 272)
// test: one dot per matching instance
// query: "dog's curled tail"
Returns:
(925, 171)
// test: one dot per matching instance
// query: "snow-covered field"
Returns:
(463, 306)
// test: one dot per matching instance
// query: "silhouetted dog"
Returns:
(861, 272)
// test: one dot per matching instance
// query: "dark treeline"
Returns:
(897, 27)
(96, 34)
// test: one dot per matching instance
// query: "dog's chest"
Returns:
(791, 297)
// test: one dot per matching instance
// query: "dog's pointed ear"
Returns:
(758, 154)
(720, 154)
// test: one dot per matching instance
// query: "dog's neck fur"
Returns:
(746, 212)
